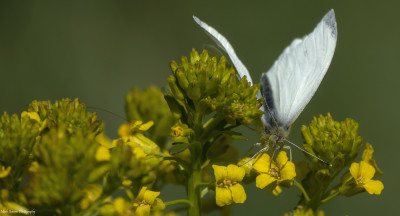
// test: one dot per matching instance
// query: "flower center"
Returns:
(227, 183)
(143, 203)
(274, 172)
(361, 180)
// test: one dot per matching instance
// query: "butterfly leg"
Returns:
(252, 147)
(256, 154)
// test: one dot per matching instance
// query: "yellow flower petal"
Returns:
(235, 173)
(123, 130)
(366, 170)
(158, 205)
(220, 172)
(127, 183)
(238, 193)
(31, 115)
(103, 140)
(150, 196)
(223, 196)
(4, 171)
(143, 210)
(288, 172)
(281, 159)
(277, 190)
(367, 153)
(138, 152)
(140, 196)
(264, 180)
(146, 126)
(355, 170)
(374, 187)
(262, 163)
(102, 154)
(119, 205)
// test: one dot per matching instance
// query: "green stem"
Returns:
(330, 197)
(205, 184)
(194, 180)
(210, 125)
(297, 184)
(174, 202)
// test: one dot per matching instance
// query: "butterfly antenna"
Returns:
(107, 111)
(327, 163)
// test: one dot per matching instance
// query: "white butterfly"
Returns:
(291, 82)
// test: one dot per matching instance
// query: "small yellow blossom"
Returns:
(363, 172)
(273, 172)
(146, 201)
(131, 134)
(176, 131)
(228, 190)
(102, 154)
(4, 171)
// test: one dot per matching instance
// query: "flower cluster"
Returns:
(339, 144)
(57, 159)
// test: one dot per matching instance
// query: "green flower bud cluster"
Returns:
(202, 84)
(17, 138)
(65, 165)
(150, 105)
(335, 142)
(47, 148)
(339, 144)
(69, 113)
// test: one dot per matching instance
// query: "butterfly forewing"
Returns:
(297, 73)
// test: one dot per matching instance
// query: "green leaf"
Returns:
(177, 148)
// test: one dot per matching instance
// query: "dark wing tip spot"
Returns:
(330, 20)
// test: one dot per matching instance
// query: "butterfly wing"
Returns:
(297, 73)
(227, 47)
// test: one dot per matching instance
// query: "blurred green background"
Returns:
(98, 50)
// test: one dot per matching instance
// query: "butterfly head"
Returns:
(275, 136)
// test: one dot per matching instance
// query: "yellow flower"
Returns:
(4, 171)
(176, 131)
(102, 154)
(273, 172)
(132, 134)
(228, 190)
(363, 172)
(147, 200)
